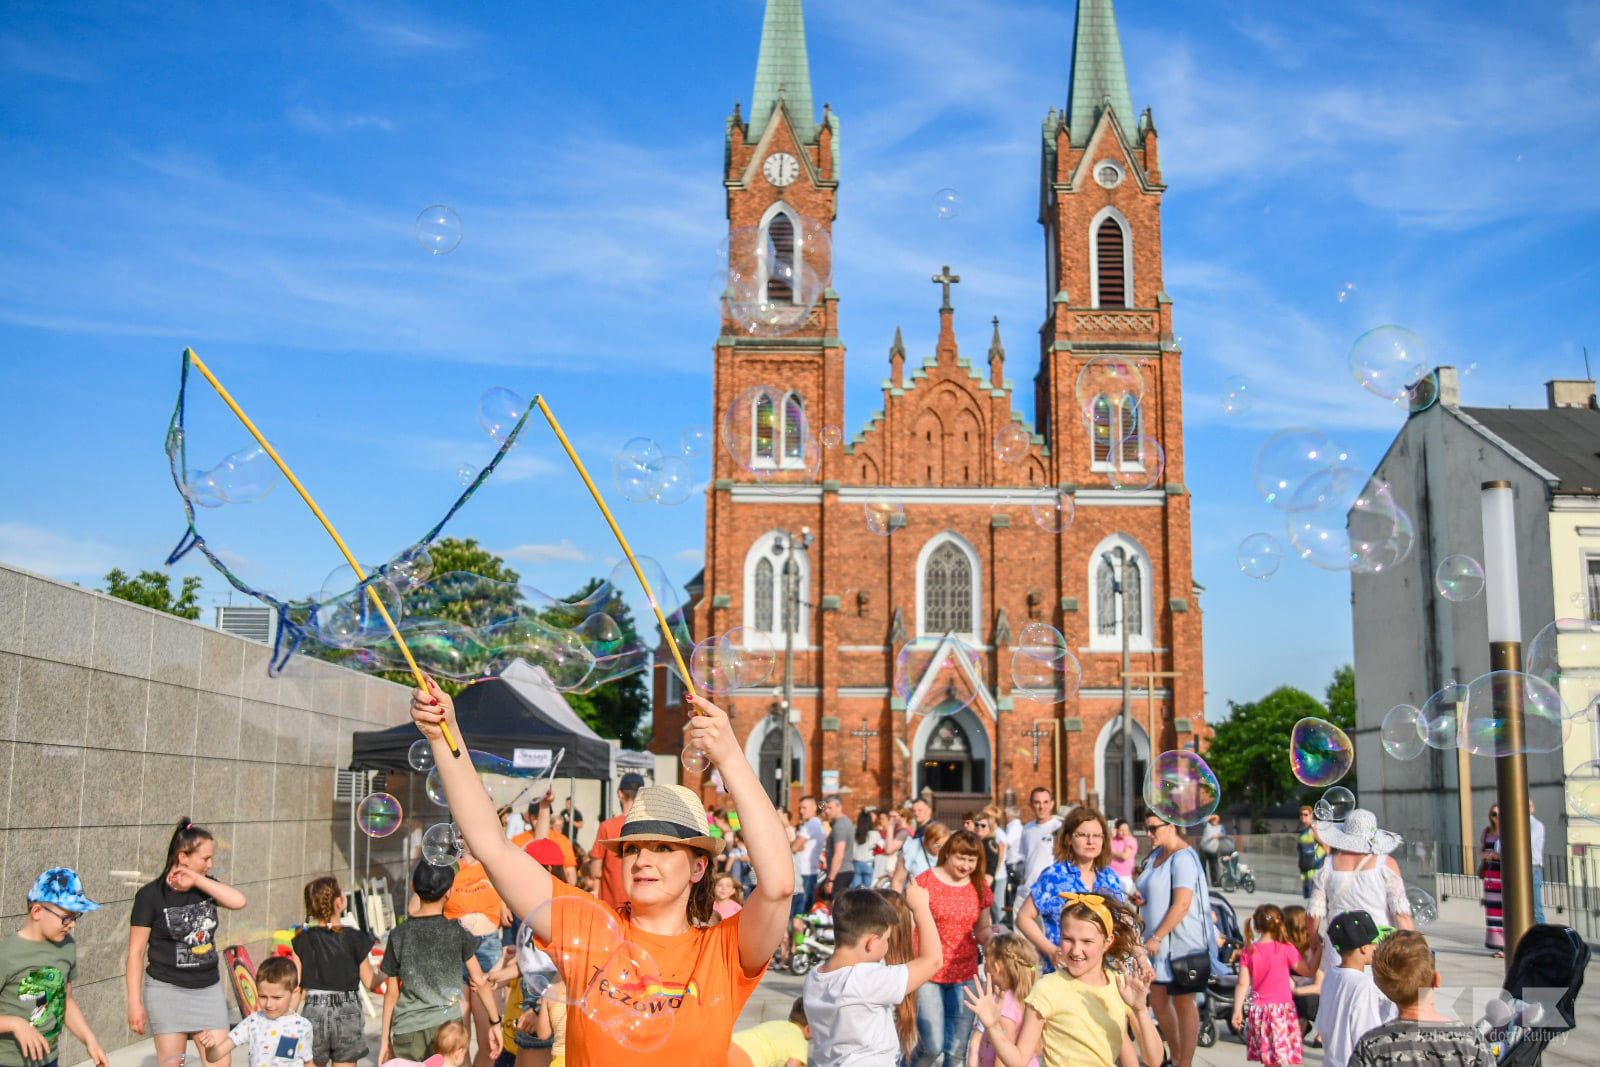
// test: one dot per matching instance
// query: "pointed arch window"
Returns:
(1110, 274)
(1118, 572)
(948, 591)
(794, 446)
(1114, 427)
(780, 259)
(766, 435)
(763, 595)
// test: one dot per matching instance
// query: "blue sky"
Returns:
(243, 179)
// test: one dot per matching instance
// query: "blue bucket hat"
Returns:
(62, 887)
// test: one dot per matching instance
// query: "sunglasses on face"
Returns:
(1152, 827)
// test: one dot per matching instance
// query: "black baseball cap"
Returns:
(631, 783)
(1351, 930)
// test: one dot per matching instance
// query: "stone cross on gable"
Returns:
(944, 278)
(863, 733)
(1036, 733)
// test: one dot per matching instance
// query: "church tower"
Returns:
(976, 548)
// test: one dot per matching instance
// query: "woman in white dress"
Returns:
(1358, 875)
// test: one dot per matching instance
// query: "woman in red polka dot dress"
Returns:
(959, 897)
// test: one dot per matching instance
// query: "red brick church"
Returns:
(969, 562)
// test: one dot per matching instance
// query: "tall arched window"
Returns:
(766, 435)
(763, 595)
(1108, 245)
(947, 585)
(1118, 569)
(1112, 422)
(780, 260)
(794, 410)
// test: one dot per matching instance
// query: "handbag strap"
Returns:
(1333, 909)
(1207, 937)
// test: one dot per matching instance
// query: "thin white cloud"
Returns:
(563, 552)
(31, 57)
(391, 27)
(326, 124)
(58, 555)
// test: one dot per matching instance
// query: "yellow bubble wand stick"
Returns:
(616, 531)
(394, 631)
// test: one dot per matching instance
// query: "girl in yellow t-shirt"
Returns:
(1080, 1013)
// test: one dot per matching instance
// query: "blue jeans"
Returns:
(1538, 893)
(808, 885)
(863, 879)
(944, 1023)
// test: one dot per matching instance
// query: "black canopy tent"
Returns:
(519, 709)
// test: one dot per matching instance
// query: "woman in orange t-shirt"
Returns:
(707, 973)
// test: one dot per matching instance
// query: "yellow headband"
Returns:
(1095, 903)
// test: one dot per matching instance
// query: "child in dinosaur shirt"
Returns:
(37, 966)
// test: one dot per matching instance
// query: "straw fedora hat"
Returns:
(666, 813)
(1358, 833)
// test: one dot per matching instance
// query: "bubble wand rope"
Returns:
(394, 631)
(616, 531)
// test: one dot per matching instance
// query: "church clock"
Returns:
(781, 169)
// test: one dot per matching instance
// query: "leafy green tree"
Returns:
(1250, 748)
(1341, 697)
(153, 589)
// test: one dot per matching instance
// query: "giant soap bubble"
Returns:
(766, 431)
(1319, 752)
(1287, 458)
(1180, 787)
(775, 275)
(1042, 668)
(1489, 728)
(1388, 360)
(935, 676)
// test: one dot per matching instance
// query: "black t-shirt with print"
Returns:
(183, 929)
(330, 960)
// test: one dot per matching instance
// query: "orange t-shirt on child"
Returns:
(700, 972)
(471, 893)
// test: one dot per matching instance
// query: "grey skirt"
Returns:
(174, 1009)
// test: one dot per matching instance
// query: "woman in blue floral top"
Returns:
(1083, 865)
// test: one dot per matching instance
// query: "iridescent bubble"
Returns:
(766, 432)
(1042, 668)
(349, 613)
(420, 756)
(1347, 292)
(832, 437)
(1289, 457)
(694, 441)
(1139, 465)
(638, 469)
(378, 815)
(1112, 377)
(410, 568)
(1180, 788)
(1237, 396)
(1424, 909)
(583, 935)
(1052, 510)
(439, 229)
(885, 512)
(1404, 732)
(756, 654)
(1564, 644)
(1583, 791)
(1011, 443)
(1319, 752)
(1259, 556)
(1489, 731)
(1458, 578)
(441, 844)
(202, 489)
(246, 476)
(1335, 805)
(627, 999)
(797, 471)
(1421, 395)
(466, 474)
(776, 274)
(946, 204)
(1441, 717)
(936, 676)
(694, 761)
(715, 666)
(1340, 520)
(1380, 531)
(1387, 360)
(677, 481)
(499, 409)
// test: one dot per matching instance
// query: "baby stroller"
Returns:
(1217, 1000)
(1538, 1000)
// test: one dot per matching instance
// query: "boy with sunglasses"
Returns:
(37, 967)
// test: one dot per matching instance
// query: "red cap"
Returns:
(545, 852)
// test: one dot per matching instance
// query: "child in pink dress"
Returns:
(1012, 963)
(1271, 1025)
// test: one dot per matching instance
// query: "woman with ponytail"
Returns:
(174, 983)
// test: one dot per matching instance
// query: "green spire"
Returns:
(782, 70)
(1097, 72)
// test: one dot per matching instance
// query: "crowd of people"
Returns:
(999, 941)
